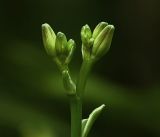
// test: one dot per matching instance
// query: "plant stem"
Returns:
(76, 100)
(83, 75)
(76, 116)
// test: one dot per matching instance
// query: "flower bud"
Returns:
(61, 47)
(86, 35)
(103, 41)
(99, 28)
(69, 85)
(61, 44)
(49, 38)
(58, 47)
(70, 47)
(64, 49)
(87, 41)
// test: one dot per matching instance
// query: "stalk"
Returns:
(76, 116)
(83, 76)
(76, 100)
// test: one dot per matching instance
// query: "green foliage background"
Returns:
(127, 79)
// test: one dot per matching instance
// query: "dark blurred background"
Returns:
(127, 79)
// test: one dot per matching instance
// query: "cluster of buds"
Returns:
(96, 44)
(61, 51)
(57, 46)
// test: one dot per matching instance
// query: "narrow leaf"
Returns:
(88, 123)
(84, 121)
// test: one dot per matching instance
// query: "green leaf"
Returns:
(88, 123)
(84, 121)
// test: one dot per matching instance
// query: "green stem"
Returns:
(76, 116)
(83, 75)
(76, 100)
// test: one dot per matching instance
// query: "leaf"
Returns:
(84, 121)
(88, 123)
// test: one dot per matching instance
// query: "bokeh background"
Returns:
(127, 79)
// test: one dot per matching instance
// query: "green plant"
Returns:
(94, 46)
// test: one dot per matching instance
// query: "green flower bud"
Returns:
(61, 44)
(64, 49)
(58, 47)
(49, 38)
(97, 44)
(86, 35)
(69, 85)
(70, 47)
(99, 28)
(87, 41)
(103, 41)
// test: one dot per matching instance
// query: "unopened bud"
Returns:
(49, 38)
(70, 47)
(86, 35)
(99, 28)
(64, 49)
(69, 85)
(103, 41)
(61, 44)
(58, 47)
(87, 41)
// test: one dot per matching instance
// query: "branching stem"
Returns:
(83, 76)
(76, 100)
